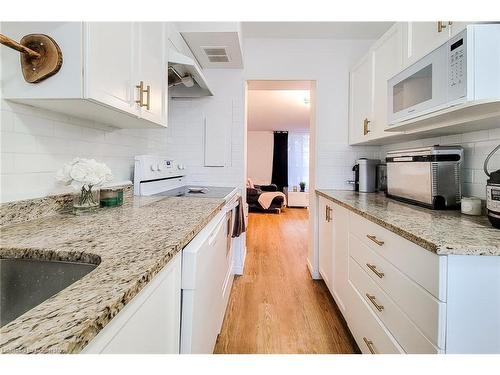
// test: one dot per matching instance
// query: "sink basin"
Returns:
(25, 283)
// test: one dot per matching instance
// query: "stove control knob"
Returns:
(158, 167)
(153, 167)
(180, 166)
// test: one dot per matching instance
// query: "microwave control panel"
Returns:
(457, 68)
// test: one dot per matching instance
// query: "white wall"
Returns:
(477, 145)
(186, 129)
(35, 143)
(260, 146)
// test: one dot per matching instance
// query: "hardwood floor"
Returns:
(275, 307)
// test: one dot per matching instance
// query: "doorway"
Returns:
(278, 144)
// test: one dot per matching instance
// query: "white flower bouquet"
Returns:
(85, 175)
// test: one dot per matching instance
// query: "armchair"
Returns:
(253, 194)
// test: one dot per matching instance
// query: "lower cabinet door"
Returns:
(340, 220)
(150, 322)
(325, 242)
(369, 333)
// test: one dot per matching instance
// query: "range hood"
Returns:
(185, 78)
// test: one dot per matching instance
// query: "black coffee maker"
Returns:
(493, 192)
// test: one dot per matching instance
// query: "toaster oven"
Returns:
(428, 176)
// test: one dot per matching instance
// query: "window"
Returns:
(298, 159)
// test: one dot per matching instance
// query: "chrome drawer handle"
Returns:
(369, 344)
(373, 300)
(374, 270)
(374, 239)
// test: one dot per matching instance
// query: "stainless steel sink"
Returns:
(25, 283)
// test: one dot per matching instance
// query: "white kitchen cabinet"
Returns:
(325, 242)
(456, 27)
(103, 62)
(400, 298)
(340, 254)
(360, 100)
(387, 62)
(109, 63)
(420, 38)
(368, 88)
(150, 322)
(151, 67)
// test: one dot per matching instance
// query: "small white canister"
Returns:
(471, 206)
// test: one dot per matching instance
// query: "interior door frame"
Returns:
(312, 252)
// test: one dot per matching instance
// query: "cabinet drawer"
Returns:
(411, 339)
(368, 331)
(422, 266)
(423, 309)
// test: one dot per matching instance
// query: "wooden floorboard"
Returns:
(275, 307)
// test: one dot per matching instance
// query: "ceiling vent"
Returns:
(216, 54)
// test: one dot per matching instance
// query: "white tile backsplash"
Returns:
(186, 128)
(335, 162)
(35, 143)
(477, 145)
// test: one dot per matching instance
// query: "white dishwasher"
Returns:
(206, 284)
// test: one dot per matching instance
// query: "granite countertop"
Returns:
(442, 232)
(130, 243)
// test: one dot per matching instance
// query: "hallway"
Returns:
(275, 307)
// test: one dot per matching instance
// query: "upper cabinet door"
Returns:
(422, 37)
(387, 62)
(109, 65)
(456, 27)
(151, 70)
(360, 100)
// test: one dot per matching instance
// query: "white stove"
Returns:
(156, 174)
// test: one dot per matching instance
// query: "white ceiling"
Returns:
(315, 30)
(278, 109)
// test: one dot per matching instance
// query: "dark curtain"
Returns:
(280, 160)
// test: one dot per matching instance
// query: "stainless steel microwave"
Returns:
(464, 69)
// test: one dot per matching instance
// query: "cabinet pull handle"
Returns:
(365, 126)
(369, 344)
(373, 300)
(140, 86)
(441, 25)
(374, 270)
(141, 89)
(326, 213)
(330, 213)
(374, 239)
(148, 97)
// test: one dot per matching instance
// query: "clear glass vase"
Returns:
(87, 200)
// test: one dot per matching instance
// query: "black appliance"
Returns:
(493, 192)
